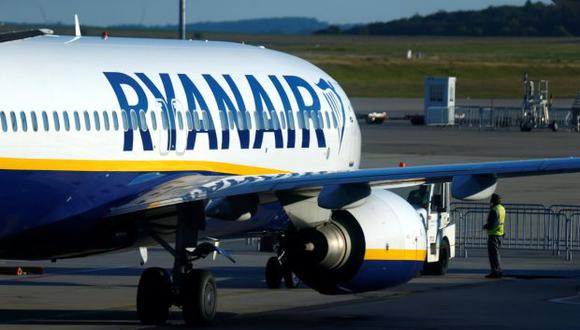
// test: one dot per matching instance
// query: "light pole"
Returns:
(182, 19)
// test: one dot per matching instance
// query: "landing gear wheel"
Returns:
(267, 244)
(554, 126)
(154, 296)
(526, 127)
(273, 273)
(291, 281)
(440, 267)
(198, 297)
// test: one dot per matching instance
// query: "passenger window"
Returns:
(290, 119)
(205, 122)
(248, 120)
(142, 120)
(97, 121)
(14, 121)
(334, 121)
(259, 123)
(45, 121)
(179, 120)
(282, 120)
(153, 120)
(56, 121)
(266, 121)
(115, 120)
(314, 118)
(134, 120)
(164, 120)
(305, 117)
(66, 121)
(87, 120)
(196, 122)
(125, 121)
(275, 123)
(223, 120)
(189, 121)
(34, 121)
(106, 121)
(239, 117)
(327, 119)
(320, 119)
(300, 119)
(3, 121)
(231, 119)
(23, 121)
(77, 121)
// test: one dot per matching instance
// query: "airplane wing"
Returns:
(180, 191)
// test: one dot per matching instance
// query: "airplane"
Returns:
(108, 144)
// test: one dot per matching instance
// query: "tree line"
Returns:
(560, 18)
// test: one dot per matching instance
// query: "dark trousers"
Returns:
(493, 245)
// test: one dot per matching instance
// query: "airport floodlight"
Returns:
(182, 19)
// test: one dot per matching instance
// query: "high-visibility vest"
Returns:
(499, 229)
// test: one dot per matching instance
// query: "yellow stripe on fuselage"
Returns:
(22, 164)
(399, 255)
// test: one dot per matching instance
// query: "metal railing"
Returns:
(504, 117)
(528, 227)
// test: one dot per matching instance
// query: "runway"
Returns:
(540, 292)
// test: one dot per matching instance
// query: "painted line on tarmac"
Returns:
(574, 300)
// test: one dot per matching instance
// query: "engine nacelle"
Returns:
(379, 244)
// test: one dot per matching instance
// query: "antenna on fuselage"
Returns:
(77, 26)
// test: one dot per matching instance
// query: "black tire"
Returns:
(554, 126)
(273, 273)
(526, 127)
(198, 298)
(154, 296)
(267, 244)
(440, 267)
(291, 281)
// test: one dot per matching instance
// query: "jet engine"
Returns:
(376, 245)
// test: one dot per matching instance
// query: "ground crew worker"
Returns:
(495, 232)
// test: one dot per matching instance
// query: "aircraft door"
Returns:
(164, 138)
(352, 139)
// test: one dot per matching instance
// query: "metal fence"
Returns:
(504, 117)
(528, 227)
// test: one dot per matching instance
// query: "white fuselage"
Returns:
(145, 106)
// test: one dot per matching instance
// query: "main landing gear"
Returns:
(194, 290)
(277, 270)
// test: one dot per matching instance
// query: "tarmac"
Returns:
(540, 291)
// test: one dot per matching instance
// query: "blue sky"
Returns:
(160, 12)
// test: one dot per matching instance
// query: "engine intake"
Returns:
(325, 256)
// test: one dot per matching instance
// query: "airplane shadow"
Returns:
(82, 317)
(227, 277)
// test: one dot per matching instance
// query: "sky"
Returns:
(162, 12)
